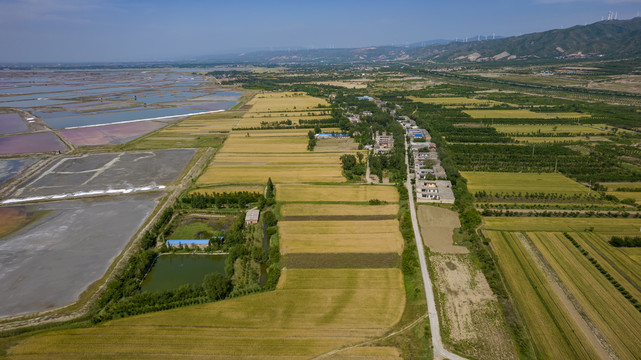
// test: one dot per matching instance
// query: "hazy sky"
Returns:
(140, 30)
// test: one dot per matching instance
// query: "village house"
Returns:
(252, 216)
(384, 143)
(434, 191)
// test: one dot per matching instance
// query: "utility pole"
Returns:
(532, 150)
(556, 162)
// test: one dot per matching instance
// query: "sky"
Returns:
(52, 31)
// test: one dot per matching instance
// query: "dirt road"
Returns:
(439, 350)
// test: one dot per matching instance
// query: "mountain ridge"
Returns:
(610, 39)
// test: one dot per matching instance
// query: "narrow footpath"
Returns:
(439, 350)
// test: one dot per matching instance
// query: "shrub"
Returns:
(216, 286)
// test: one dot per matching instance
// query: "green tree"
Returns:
(216, 286)
(269, 191)
(349, 161)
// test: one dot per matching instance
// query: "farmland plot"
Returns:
(506, 183)
(555, 333)
(311, 312)
(505, 114)
(606, 227)
(335, 193)
(615, 317)
(380, 236)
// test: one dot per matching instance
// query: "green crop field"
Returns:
(335, 193)
(606, 227)
(614, 316)
(636, 195)
(621, 195)
(557, 139)
(311, 312)
(554, 332)
(568, 115)
(524, 129)
(455, 101)
(505, 114)
(621, 263)
(522, 183)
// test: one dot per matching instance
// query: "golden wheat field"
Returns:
(381, 236)
(282, 107)
(311, 312)
(301, 209)
(335, 193)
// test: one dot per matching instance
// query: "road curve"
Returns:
(439, 350)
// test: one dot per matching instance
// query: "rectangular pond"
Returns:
(31, 143)
(12, 123)
(51, 261)
(10, 167)
(173, 270)
(110, 134)
(167, 97)
(115, 117)
(106, 171)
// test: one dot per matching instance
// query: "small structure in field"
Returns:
(252, 216)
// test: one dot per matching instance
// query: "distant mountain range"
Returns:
(608, 39)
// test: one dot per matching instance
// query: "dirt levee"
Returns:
(437, 226)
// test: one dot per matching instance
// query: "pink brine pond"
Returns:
(31, 143)
(12, 123)
(110, 134)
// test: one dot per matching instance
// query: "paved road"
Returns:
(439, 351)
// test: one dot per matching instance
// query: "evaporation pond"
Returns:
(171, 271)
(112, 117)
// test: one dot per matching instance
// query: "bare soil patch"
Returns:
(473, 321)
(437, 226)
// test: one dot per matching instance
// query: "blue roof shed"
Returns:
(188, 242)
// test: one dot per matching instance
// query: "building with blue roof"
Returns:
(191, 242)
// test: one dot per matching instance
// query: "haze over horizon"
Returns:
(45, 31)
